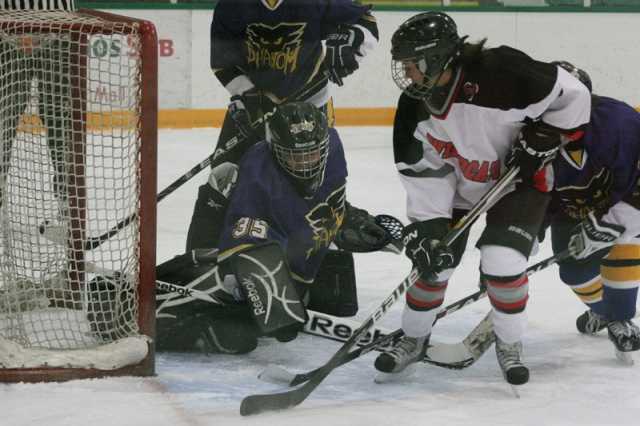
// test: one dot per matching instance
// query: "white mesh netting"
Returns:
(70, 171)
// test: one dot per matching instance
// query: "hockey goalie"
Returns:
(259, 242)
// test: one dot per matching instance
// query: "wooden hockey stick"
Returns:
(276, 374)
(254, 404)
(220, 156)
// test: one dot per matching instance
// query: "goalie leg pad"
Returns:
(211, 333)
(263, 275)
(334, 291)
(188, 324)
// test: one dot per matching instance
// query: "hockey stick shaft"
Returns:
(481, 206)
(220, 156)
(385, 340)
(255, 404)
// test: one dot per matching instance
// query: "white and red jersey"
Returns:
(451, 158)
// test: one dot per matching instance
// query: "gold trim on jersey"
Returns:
(272, 4)
(222, 256)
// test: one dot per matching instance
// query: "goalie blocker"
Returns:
(273, 305)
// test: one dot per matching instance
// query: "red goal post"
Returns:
(78, 122)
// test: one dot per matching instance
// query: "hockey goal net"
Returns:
(78, 195)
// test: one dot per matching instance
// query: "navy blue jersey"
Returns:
(280, 49)
(264, 206)
(605, 168)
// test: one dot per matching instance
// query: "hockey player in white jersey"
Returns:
(467, 114)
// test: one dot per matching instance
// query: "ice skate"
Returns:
(590, 323)
(625, 336)
(401, 360)
(512, 364)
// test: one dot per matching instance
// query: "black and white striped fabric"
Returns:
(37, 5)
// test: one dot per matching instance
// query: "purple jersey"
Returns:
(605, 168)
(264, 207)
(280, 50)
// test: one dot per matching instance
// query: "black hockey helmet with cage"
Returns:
(430, 41)
(299, 142)
(576, 72)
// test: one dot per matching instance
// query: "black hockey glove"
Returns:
(342, 47)
(421, 241)
(359, 232)
(535, 148)
(244, 108)
(593, 238)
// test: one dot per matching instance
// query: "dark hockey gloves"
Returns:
(245, 108)
(359, 232)
(342, 47)
(593, 238)
(421, 241)
(535, 148)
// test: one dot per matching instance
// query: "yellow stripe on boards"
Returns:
(194, 118)
(186, 119)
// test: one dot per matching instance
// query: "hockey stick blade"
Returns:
(255, 404)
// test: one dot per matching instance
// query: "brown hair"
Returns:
(471, 51)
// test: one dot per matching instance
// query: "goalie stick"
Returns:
(254, 404)
(220, 156)
(475, 344)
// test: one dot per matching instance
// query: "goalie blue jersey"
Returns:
(278, 46)
(264, 206)
(605, 168)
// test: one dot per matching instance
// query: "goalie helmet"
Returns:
(299, 142)
(431, 43)
(576, 72)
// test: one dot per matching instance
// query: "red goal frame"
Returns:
(148, 130)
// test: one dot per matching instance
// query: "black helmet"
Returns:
(298, 139)
(576, 72)
(430, 41)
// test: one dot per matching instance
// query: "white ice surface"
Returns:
(575, 380)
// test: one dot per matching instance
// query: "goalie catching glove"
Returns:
(342, 47)
(593, 238)
(361, 233)
(421, 240)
